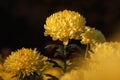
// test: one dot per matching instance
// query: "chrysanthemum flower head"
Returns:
(64, 25)
(92, 36)
(106, 51)
(8, 76)
(104, 62)
(25, 62)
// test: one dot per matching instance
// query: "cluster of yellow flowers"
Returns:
(5, 75)
(25, 62)
(106, 50)
(8, 76)
(64, 25)
(92, 36)
(103, 64)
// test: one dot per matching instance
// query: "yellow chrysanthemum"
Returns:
(8, 76)
(64, 25)
(104, 63)
(91, 36)
(56, 72)
(107, 50)
(25, 62)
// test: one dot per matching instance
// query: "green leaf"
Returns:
(73, 47)
(60, 49)
(58, 54)
(55, 64)
(51, 46)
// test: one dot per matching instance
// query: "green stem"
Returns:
(86, 51)
(64, 57)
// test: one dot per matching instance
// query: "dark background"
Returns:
(22, 21)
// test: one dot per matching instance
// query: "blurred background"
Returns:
(22, 21)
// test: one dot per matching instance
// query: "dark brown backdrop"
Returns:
(22, 20)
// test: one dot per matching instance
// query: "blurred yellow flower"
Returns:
(64, 25)
(92, 36)
(104, 62)
(72, 75)
(8, 76)
(25, 62)
(56, 72)
(107, 50)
